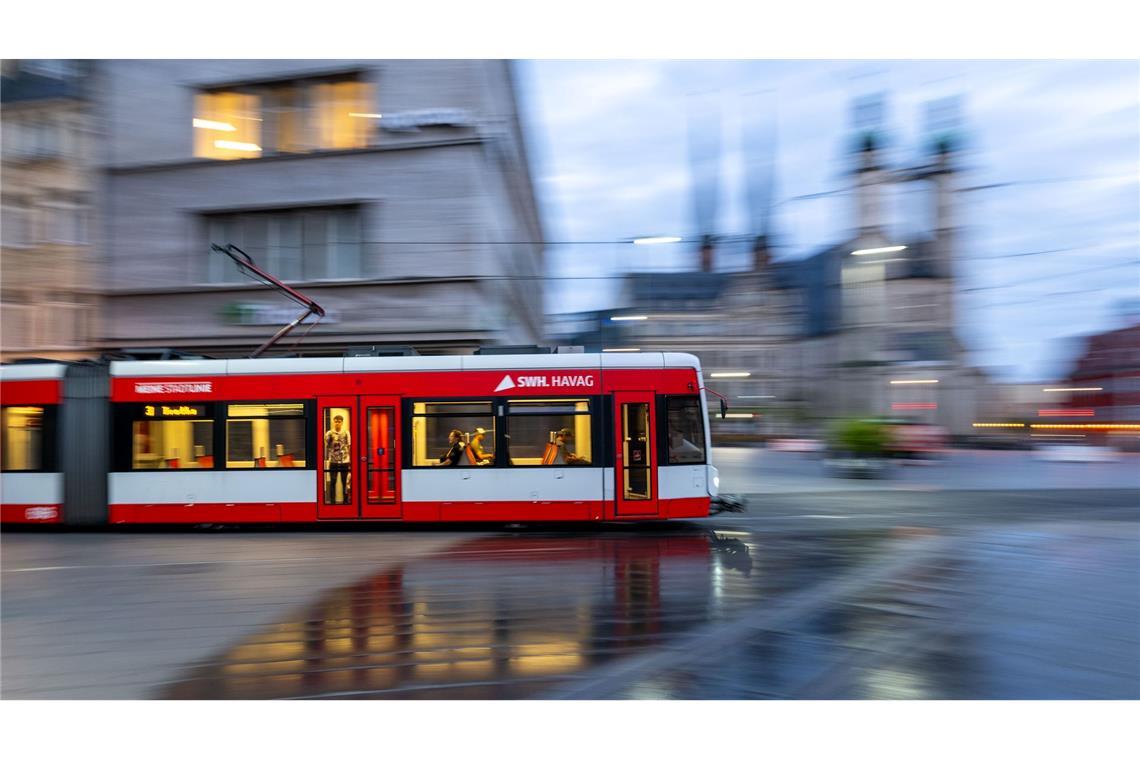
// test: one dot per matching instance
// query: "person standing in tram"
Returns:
(337, 461)
(453, 455)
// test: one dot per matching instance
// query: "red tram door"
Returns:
(358, 473)
(635, 466)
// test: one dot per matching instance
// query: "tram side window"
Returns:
(23, 448)
(433, 425)
(265, 435)
(685, 437)
(549, 432)
(173, 437)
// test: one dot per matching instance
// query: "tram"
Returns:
(505, 438)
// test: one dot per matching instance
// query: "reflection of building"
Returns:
(392, 192)
(49, 296)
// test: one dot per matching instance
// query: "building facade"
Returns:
(396, 194)
(49, 300)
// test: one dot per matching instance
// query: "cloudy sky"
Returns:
(1049, 256)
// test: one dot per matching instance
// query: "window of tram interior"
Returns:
(172, 436)
(685, 430)
(24, 442)
(433, 422)
(289, 116)
(549, 431)
(265, 435)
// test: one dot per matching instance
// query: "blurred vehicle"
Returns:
(858, 448)
(1071, 452)
(857, 467)
(797, 445)
(915, 441)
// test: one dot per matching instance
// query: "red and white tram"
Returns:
(508, 438)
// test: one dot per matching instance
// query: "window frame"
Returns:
(308, 413)
(600, 413)
(593, 412)
(408, 410)
(126, 414)
(49, 449)
(663, 431)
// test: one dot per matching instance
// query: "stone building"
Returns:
(397, 194)
(48, 288)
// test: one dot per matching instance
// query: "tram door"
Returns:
(635, 466)
(357, 470)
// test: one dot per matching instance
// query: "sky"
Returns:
(1046, 258)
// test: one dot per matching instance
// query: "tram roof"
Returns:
(216, 367)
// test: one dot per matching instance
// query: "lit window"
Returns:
(172, 436)
(453, 433)
(685, 436)
(227, 125)
(549, 432)
(23, 438)
(265, 435)
(284, 117)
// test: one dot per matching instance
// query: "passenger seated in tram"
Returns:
(455, 453)
(682, 449)
(475, 453)
(563, 454)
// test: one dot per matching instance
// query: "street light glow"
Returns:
(886, 249)
(628, 319)
(1069, 390)
(913, 382)
(366, 115)
(657, 240)
(619, 350)
(731, 374)
(756, 397)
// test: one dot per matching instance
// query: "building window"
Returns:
(16, 224)
(549, 432)
(172, 436)
(295, 244)
(65, 221)
(23, 438)
(685, 430)
(444, 431)
(265, 435)
(293, 116)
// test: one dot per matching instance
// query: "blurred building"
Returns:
(396, 194)
(866, 326)
(1106, 377)
(48, 291)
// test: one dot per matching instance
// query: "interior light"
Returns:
(739, 415)
(221, 126)
(886, 249)
(657, 240)
(231, 145)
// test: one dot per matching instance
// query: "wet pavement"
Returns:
(783, 602)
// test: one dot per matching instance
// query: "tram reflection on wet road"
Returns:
(511, 616)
